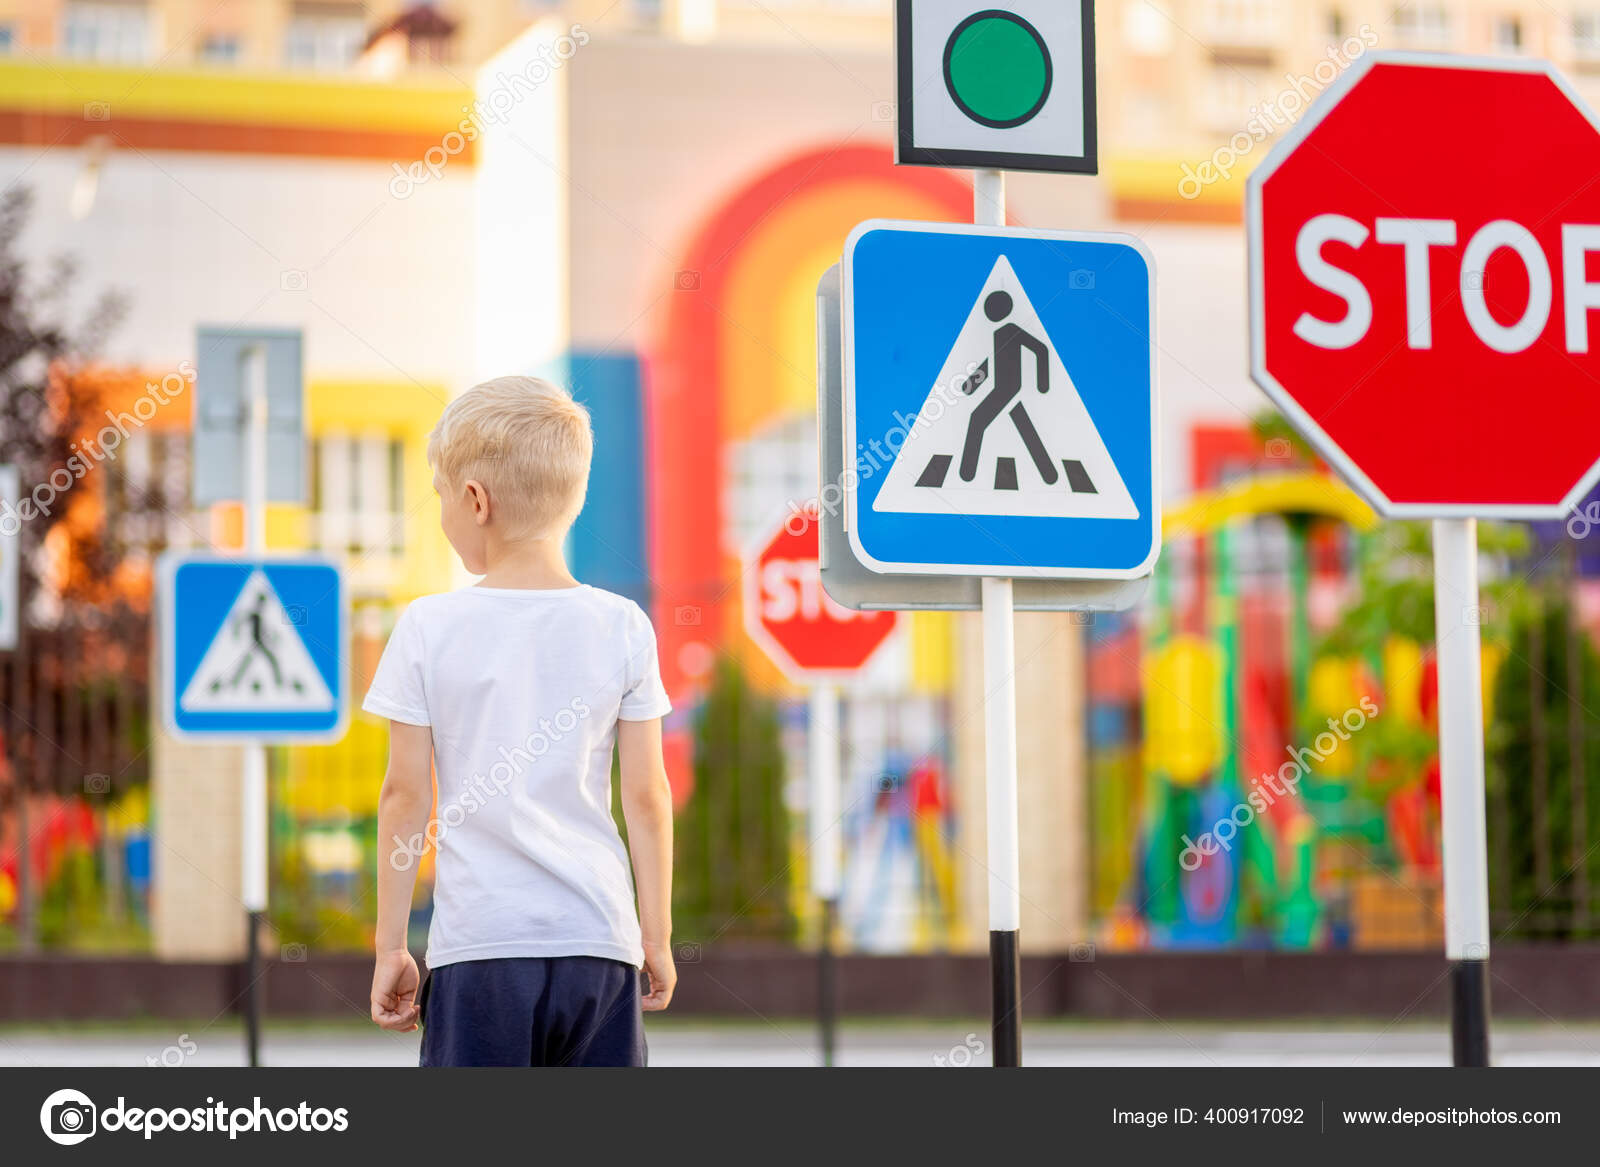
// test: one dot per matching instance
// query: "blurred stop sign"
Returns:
(1424, 282)
(786, 612)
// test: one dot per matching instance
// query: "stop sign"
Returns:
(807, 635)
(1424, 285)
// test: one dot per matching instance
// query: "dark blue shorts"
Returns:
(533, 1011)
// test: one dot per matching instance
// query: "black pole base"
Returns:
(827, 983)
(1469, 1012)
(252, 988)
(1005, 978)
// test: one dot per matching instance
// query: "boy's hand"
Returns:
(663, 977)
(394, 991)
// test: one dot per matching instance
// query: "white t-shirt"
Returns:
(523, 690)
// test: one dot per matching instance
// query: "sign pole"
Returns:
(254, 789)
(1466, 860)
(825, 873)
(1000, 751)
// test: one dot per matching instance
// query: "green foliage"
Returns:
(1530, 745)
(731, 874)
(1271, 426)
(1393, 594)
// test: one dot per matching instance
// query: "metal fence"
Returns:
(75, 715)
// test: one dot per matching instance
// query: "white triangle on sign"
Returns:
(258, 663)
(1031, 453)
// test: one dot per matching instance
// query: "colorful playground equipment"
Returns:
(1286, 793)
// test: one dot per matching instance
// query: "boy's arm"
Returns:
(403, 808)
(647, 808)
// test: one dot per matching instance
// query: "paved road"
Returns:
(688, 1043)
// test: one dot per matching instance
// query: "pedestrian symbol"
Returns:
(1003, 431)
(257, 661)
(999, 402)
(254, 649)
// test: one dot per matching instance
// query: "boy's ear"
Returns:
(480, 501)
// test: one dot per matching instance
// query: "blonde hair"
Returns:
(527, 441)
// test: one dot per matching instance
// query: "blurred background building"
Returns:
(638, 199)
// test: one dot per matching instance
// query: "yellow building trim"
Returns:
(1190, 183)
(196, 95)
(348, 406)
(398, 410)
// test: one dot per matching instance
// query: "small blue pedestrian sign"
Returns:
(254, 649)
(1000, 402)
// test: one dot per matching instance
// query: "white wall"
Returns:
(188, 238)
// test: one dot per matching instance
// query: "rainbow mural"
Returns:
(735, 354)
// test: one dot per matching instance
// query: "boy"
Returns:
(515, 691)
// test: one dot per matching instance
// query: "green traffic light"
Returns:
(997, 68)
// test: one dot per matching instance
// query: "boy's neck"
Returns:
(532, 564)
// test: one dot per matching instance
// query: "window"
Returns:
(8, 38)
(220, 49)
(1586, 35)
(116, 31)
(1508, 35)
(1422, 25)
(1146, 118)
(1231, 90)
(765, 474)
(325, 36)
(147, 495)
(1147, 28)
(1244, 22)
(357, 499)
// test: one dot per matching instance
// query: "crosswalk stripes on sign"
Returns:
(257, 661)
(999, 401)
(1003, 430)
(253, 649)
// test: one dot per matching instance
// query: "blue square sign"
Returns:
(254, 649)
(1000, 401)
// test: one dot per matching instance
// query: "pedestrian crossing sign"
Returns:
(1000, 402)
(254, 650)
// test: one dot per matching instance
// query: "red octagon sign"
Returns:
(787, 612)
(1424, 285)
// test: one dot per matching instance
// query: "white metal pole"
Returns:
(254, 882)
(824, 773)
(825, 850)
(1466, 853)
(1000, 754)
(1000, 751)
(253, 791)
